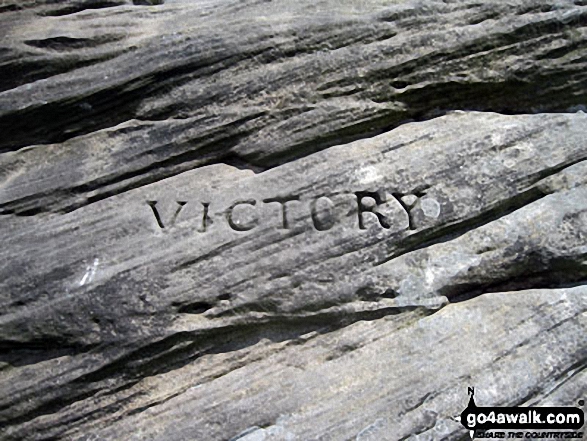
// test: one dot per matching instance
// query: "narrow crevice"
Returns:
(64, 43)
(57, 122)
(236, 161)
(146, 407)
(51, 406)
(30, 352)
(10, 8)
(194, 308)
(29, 70)
(560, 280)
(84, 5)
(368, 128)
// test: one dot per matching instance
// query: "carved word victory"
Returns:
(363, 209)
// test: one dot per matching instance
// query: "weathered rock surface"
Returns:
(289, 220)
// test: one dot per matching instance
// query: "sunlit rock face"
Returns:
(276, 220)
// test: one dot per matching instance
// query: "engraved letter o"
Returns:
(322, 213)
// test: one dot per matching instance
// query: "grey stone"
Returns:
(271, 220)
(275, 81)
(409, 200)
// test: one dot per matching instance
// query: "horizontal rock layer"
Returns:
(278, 221)
(113, 98)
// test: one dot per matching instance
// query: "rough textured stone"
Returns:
(279, 220)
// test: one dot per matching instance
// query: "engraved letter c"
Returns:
(239, 226)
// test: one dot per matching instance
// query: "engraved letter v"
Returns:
(153, 204)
